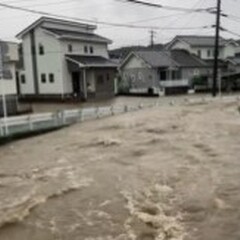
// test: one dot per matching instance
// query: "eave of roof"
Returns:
(56, 20)
(85, 61)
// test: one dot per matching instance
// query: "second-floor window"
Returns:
(43, 78)
(23, 79)
(70, 48)
(91, 49)
(51, 78)
(209, 53)
(199, 53)
(41, 49)
(85, 49)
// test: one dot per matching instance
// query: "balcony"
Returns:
(174, 83)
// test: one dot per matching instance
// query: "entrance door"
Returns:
(76, 83)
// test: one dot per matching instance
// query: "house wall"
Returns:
(48, 63)
(9, 85)
(137, 75)
(100, 49)
(105, 88)
(91, 83)
(28, 87)
(229, 51)
(181, 45)
(189, 73)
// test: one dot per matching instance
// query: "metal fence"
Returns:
(46, 121)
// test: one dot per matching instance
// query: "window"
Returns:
(91, 49)
(100, 79)
(70, 48)
(41, 49)
(199, 53)
(209, 53)
(43, 78)
(108, 77)
(51, 77)
(23, 79)
(85, 49)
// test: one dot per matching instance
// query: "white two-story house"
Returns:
(8, 83)
(64, 59)
(203, 46)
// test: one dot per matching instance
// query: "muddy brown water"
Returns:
(168, 173)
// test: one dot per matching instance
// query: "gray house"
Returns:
(166, 71)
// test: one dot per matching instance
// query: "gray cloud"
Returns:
(13, 21)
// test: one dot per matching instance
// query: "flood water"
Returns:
(167, 173)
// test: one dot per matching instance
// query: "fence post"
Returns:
(63, 118)
(125, 108)
(1, 129)
(97, 113)
(30, 123)
(80, 115)
(112, 110)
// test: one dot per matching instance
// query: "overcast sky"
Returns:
(117, 11)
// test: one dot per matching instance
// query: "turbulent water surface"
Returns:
(168, 173)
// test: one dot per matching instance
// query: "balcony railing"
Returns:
(174, 83)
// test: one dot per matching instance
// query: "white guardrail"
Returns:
(45, 121)
(36, 122)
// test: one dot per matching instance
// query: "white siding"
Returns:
(134, 63)
(48, 63)
(12, 53)
(28, 87)
(229, 51)
(9, 86)
(100, 49)
(181, 45)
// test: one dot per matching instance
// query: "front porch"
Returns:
(92, 77)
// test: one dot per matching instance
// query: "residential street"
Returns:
(167, 173)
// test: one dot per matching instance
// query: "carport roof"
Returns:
(90, 61)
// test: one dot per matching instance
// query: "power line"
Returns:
(148, 4)
(92, 21)
(229, 31)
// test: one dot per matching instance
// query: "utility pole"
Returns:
(215, 68)
(152, 36)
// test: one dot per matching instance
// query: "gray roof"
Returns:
(185, 59)
(175, 58)
(235, 60)
(201, 41)
(42, 20)
(156, 58)
(91, 61)
(67, 34)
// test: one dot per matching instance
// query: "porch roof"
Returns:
(89, 61)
